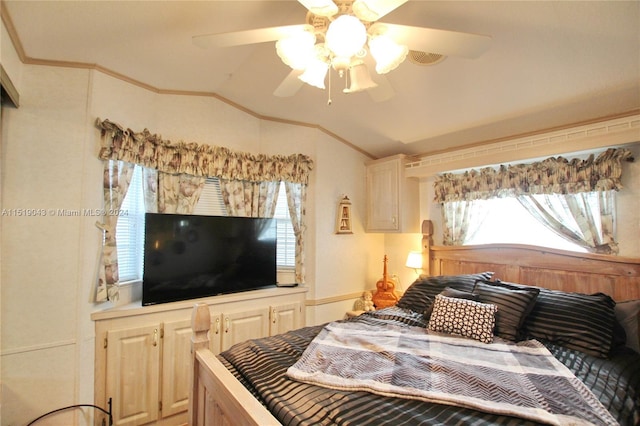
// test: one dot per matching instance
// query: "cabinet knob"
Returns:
(226, 325)
(155, 337)
(274, 315)
(217, 326)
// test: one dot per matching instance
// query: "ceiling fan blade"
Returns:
(448, 43)
(290, 85)
(383, 91)
(239, 38)
(372, 10)
(320, 7)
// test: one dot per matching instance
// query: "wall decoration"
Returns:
(343, 220)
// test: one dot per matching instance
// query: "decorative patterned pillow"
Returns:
(421, 294)
(463, 317)
(514, 304)
(456, 294)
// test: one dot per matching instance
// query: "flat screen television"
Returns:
(191, 256)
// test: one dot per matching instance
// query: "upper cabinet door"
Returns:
(392, 199)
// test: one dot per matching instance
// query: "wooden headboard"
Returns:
(616, 276)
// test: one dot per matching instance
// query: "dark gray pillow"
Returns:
(455, 294)
(421, 294)
(577, 321)
(628, 315)
(514, 304)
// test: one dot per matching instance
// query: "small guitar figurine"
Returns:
(385, 295)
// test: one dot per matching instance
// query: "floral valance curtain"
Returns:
(573, 198)
(173, 178)
(555, 175)
(150, 150)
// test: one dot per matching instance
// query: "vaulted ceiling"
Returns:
(550, 64)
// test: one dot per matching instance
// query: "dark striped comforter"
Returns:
(261, 365)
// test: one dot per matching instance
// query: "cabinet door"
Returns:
(176, 367)
(284, 317)
(241, 326)
(133, 366)
(383, 196)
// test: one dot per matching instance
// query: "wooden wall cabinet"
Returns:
(143, 354)
(393, 203)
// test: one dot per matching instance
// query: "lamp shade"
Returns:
(360, 78)
(414, 260)
(346, 36)
(296, 51)
(387, 53)
(315, 73)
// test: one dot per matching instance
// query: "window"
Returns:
(130, 231)
(211, 202)
(286, 250)
(507, 221)
(130, 227)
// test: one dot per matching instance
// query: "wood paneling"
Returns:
(616, 276)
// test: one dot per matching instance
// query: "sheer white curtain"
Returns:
(585, 218)
(296, 200)
(461, 219)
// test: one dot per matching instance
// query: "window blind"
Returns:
(130, 231)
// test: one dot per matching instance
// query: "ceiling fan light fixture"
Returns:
(346, 36)
(315, 73)
(387, 53)
(360, 78)
(340, 64)
(296, 51)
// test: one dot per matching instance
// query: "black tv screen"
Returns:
(191, 256)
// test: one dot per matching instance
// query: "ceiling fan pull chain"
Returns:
(329, 101)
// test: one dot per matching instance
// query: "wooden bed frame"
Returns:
(218, 398)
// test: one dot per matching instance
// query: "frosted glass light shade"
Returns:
(315, 73)
(346, 36)
(360, 79)
(387, 53)
(296, 51)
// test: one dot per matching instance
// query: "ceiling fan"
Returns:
(346, 35)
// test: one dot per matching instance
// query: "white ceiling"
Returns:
(551, 63)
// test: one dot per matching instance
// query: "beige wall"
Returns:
(49, 149)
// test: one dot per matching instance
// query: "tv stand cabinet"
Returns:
(142, 353)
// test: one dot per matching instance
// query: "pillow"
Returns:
(628, 315)
(459, 294)
(514, 304)
(463, 317)
(456, 294)
(577, 321)
(421, 294)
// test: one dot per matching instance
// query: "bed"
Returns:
(563, 349)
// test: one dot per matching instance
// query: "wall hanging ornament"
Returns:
(343, 220)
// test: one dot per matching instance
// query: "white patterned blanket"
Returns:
(522, 380)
